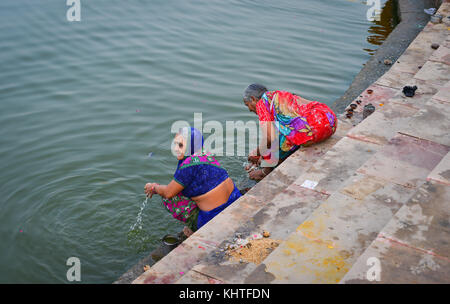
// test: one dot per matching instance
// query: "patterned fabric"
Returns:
(199, 173)
(298, 123)
(182, 209)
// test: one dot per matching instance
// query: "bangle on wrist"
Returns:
(262, 170)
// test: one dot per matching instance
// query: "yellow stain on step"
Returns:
(306, 225)
(287, 252)
(312, 232)
(295, 245)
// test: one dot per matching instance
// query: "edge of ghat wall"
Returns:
(412, 20)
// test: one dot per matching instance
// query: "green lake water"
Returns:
(84, 103)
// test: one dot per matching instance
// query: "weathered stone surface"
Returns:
(432, 33)
(343, 127)
(435, 72)
(414, 246)
(431, 122)
(325, 246)
(194, 277)
(379, 95)
(286, 211)
(291, 168)
(382, 125)
(442, 54)
(417, 101)
(280, 217)
(405, 160)
(444, 93)
(272, 184)
(376, 95)
(423, 87)
(441, 173)
(424, 222)
(338, 164)
(395, 78)
(399, 265)
(444, 9)
(301, 161)
(227, 272)
(412, 59)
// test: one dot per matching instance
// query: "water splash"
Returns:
(138, 221)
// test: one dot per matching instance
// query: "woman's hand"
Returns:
(253, 157)
(150, 189)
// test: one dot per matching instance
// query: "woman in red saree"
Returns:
(297, 121)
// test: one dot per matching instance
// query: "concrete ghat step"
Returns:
(337, 165)
(413, 247)
(396, 114)
(441, 173)
(280, 217)
(431, 122)
(414, 58)
(419, 65)
(286, 210)
(433, 80)
(383, 124)
(444, 93)
(207, 240)
(323, 248)
(286, 173)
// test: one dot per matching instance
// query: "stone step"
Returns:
(441, 173)
(384, 123)
(415, 57)
(281, 216)
(413, 247)
(288, 209)
(431, 122)
(401, 114)
(419, 65)
(328, 242)
(206, 241)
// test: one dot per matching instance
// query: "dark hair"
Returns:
(256, 90)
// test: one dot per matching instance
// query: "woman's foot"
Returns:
(187, 231)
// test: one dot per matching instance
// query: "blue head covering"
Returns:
(194, 140)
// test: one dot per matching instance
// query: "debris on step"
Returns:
(368, 110)
(409, 91)
(430, 11)
(436, 18)
(256, 252)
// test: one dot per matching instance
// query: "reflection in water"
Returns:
(381, 29)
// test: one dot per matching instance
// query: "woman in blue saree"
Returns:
(200, 183)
